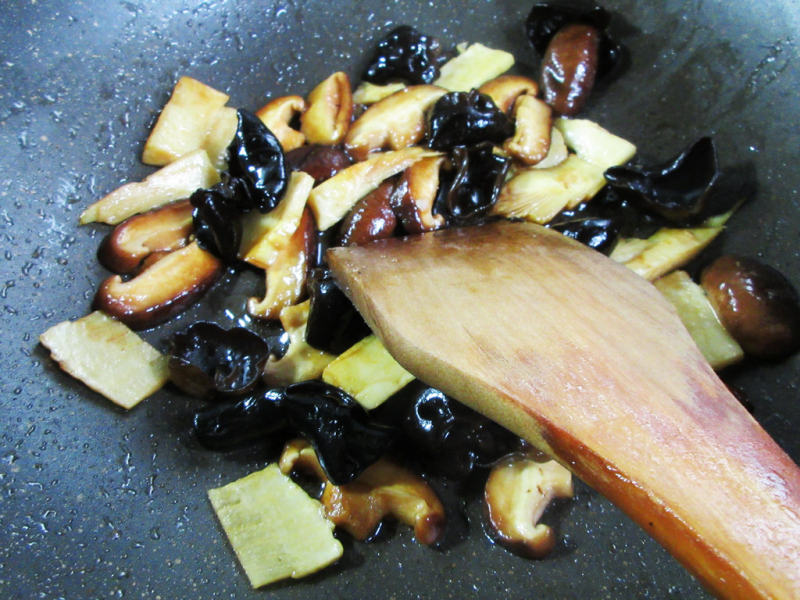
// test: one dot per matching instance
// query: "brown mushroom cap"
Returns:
(758, 306)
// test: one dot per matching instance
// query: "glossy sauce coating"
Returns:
(569, 68)
(757, 305)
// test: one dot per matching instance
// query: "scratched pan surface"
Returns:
(98, 503)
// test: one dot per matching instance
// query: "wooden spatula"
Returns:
(586, 360)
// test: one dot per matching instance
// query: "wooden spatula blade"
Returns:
(586, 360)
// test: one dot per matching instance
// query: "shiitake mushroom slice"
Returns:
(166, 287)
(162, 229)
(321, 162)
(569, 68)
(372, 218)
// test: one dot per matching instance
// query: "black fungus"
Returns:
(466, 119)
(257, 177)
(444, 435)
(406, 54)
(677, 189)
(333, 322)
(600, 223)
(546, 19)
(216, 216)
(479, 175)
(628, 218)
(256, 157)
(206, 360)
(322, 241)
(257, 417)
(596, 232)
(343, 435)
(339, 429)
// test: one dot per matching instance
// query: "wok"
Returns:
(100, 503)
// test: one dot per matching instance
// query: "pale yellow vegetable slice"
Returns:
(671, 244)
(176, 181)
(334, 197)
(538, 195)
(367, 372)
(370, 93)
(184, 122)
(664, 251)
(275, 528)
(722, 218)
(220, 135)
(628, 249)
(265, 234)
(595, 144)
(476, 65)
(108, 357)
(697, 314)
(301, 361)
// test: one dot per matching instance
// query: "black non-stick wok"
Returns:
(98, 503)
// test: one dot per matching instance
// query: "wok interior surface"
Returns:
(95, 502)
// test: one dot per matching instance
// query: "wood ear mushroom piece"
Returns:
(588, 362)
(517, 492)
(160, 291)
(384, 488)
